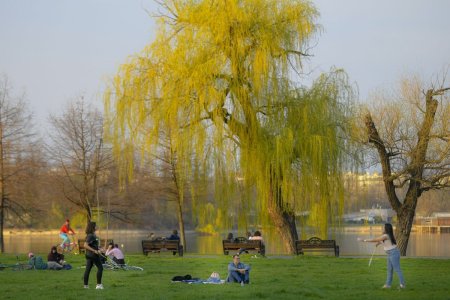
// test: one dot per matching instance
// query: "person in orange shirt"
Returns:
(63, 233)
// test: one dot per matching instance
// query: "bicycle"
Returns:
(69, 247)
(112, 265)
(16, 266)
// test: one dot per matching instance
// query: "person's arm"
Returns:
(247, 267)
(110, 251)
(379, 239)
(232, 267)
(88, 247)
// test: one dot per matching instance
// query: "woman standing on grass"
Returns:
(92, 256)
(393, 258)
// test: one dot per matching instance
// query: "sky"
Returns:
(55, 51)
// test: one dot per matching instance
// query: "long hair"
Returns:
(390, 232)
(90, 228)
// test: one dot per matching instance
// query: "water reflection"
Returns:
(420, 244)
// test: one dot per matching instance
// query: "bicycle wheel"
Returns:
(21, 267)
(108, 267)
(132, 268)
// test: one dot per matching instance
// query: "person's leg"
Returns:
(389, 270)
(234, 276)
(247, 277)
(65, 239)
(242, 250)
(396, 266)
(89, 264)
(99, 266)
(52, 265)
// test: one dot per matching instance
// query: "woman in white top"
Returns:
(393, 258)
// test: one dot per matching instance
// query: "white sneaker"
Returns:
(86, 286)
(99, 287)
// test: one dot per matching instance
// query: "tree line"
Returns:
(215, 115)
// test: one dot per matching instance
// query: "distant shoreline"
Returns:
(79, 231)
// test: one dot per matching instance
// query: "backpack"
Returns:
(181, 278)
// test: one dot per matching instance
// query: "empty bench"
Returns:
(151, 246)
(247, 245)
(316, 244)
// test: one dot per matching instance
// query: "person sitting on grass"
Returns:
(115, 254)
(55, 260)
(238, 272)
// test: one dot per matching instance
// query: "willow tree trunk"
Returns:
(181, 223)
(2, 215)
(284, 221)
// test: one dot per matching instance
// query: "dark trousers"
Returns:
(119, 261)
(90, 261)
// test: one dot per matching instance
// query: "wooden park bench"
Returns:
(152, 246)
(241, 244)
(105, 245)
(316, 244)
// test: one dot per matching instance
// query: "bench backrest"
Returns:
(250, 244)
(315, 242)
(149, 245)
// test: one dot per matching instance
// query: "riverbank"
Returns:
(373, 228)
(303, 277)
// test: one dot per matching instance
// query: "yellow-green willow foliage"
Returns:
(218, 77)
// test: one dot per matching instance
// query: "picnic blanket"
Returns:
(213, 279)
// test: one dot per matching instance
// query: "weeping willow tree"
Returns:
(223, 76)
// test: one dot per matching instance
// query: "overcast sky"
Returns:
(57, 50)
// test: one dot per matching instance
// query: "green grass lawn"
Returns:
(308, 277)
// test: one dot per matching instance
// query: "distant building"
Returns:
(372, 215)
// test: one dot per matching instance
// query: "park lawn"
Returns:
(308, 277)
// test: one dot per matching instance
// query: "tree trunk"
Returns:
(285, 223)
(2, 215)
(405, 218)
(181, 224)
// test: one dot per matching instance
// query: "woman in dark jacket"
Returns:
(55, 259)
(92, 256)
(55, 256)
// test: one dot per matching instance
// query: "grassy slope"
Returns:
(309, 277)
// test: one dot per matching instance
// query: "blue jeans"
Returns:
(235, 276)
(393, 264)
(65, 238)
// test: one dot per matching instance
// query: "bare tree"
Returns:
(15, 134)
(411, 137)
(78, 149)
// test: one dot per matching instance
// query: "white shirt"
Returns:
(387, 244)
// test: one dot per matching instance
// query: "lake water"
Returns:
(420, 244)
